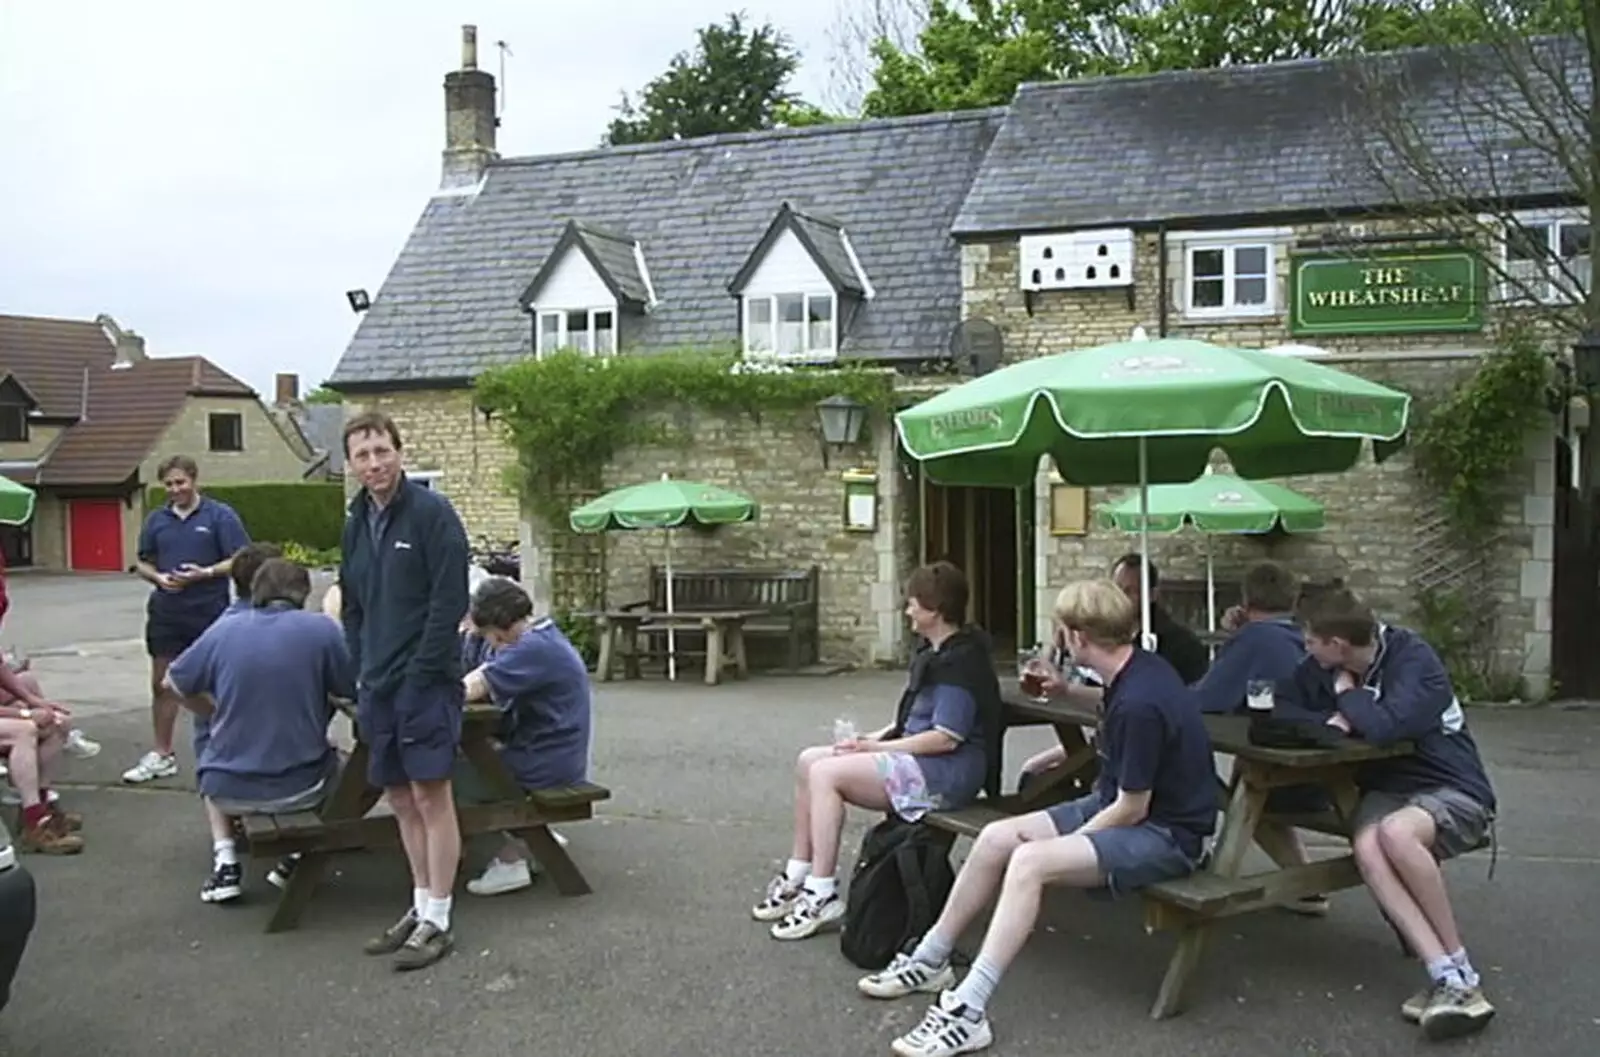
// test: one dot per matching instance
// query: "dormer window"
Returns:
(799, 289)
(590, 281)
(587, 330)
(791, 325)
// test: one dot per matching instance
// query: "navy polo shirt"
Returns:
(1152, 739)
(211, 533)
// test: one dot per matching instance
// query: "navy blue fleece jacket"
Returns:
(1405, 696)
(1261, 649)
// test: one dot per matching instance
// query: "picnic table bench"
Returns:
(784, 601)
(343, 822)
(1219, 889)
(723, 630)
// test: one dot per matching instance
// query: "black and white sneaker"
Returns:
(225, 884)
(949, 1028)
(282, 870)
(809, 916)
(777, 901)
(904, 976)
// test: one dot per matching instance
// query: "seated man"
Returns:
(33, 732)
(539, 681)
(246, 562)
(268, 673)
(1153, 805)
(1385, 684)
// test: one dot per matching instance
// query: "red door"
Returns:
(95, 535)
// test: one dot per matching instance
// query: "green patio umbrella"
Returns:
(1145, 412)
(16, 502)
(1216, 504)
(665, 504)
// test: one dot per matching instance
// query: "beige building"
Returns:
(85, 419)
(1082, 212)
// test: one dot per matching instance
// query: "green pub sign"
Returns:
(1387, 292)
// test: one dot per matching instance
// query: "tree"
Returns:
(735, 80)
(857, 28)
(322, 395)
(977, 53)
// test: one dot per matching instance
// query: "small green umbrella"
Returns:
(1216, 504)
(665, 504)
(16, 502)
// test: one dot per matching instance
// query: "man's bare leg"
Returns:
(413, 840)
(39, 831)
(159, 762)
(436, 809)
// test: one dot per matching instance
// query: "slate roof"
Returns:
(612, 255)
(449, 307)
(1248, 141)
(823, 237)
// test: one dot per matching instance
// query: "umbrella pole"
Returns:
(672, 635)
(1147, 639)
(1211, 589)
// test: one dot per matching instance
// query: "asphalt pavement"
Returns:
(662, 959)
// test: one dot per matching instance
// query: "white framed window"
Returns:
(1230, 279)
(792, 326)
(1544, 254)
(428, 479)
(588, 330)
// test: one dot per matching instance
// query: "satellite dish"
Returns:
(977, 346)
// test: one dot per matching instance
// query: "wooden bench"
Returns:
(787, 600)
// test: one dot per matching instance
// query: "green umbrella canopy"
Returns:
(16, 502)
(664, 504)
(1273, 415)
(1219, 503)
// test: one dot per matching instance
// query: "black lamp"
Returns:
(841, 419)
(1586, 359)
(359, 300)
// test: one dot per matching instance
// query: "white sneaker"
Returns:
(151, 765)
(559, 838)
(809, 917)
(778, 901)
(500, 878)
(948, 1029)
(904, 976)
(80, 747)
(5, 772)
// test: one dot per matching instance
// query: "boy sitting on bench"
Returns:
(1385, 684)
(1153, 805)
(267, 672)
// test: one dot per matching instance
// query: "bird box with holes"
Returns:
(1077, 260)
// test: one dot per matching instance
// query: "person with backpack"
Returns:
(942, 749)
(1152, 807)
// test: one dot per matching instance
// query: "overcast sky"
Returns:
(217, 175)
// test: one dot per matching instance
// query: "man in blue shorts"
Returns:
(403, 584)
(1145, 822)
(185, 551)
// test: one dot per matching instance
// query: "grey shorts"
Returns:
(1460, 822)
(1130, 857)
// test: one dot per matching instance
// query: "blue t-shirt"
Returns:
(1152, 738)
(211, 533)
(953, 778)
(270, 671)
(202, 724)
(541, 685)
(1267, 650)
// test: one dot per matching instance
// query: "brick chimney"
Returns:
(469, 118)
(287, 389)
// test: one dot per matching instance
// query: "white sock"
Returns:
(222, 853)
(1469, 975)
(419, 902)
(820, 888)
(437, 913)
(796, 871)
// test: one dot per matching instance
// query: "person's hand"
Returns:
(61, 711)
(169, 582)
(1338, 720)
(1234, 618)
(190, 573)
(1343, 681)
(44, 718)
(1053, 684)
(849, 746)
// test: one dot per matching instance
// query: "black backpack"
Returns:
(901, 880)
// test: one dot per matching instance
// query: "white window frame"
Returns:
(1230, 243)
(808, 353)
(564, 334)
(1524, 291)
(429, 479)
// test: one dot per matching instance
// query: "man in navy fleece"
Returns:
(1385, 684)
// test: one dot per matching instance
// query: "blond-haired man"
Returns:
(1153, 806)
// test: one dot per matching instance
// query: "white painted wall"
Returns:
(574, 284)
(787, 268)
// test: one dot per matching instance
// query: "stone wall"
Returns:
(1380, 518)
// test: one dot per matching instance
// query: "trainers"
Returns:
(778, 901)
(282, 870)
(904, 976)
(48, 837)
(949, 1028)
(426, 945)
(394, 937)
(80, 747)
(1309, 906)
(151, 765)
(501, 877)
(809, 916)
(1453, 1011)
(1411, 1009)
(66, 821)
(225, 884)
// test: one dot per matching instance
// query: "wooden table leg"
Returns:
(741, 660)
(713, 630)
(1074, 777)
(608, 648)
(629, 649)
(352, 798)
(1245, 808)
(479, 750)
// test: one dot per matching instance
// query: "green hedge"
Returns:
(310, 513)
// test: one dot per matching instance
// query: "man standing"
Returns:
(185, 550)
(403, 582)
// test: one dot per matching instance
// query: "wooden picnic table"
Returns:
(1191, 905)
(724, 630)
(342, 823)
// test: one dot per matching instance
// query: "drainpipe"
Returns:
(1161, 280)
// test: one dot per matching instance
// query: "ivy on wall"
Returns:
(567, 415)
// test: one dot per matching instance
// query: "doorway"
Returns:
(95, 535)
(988, 533)
(1575, 591)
